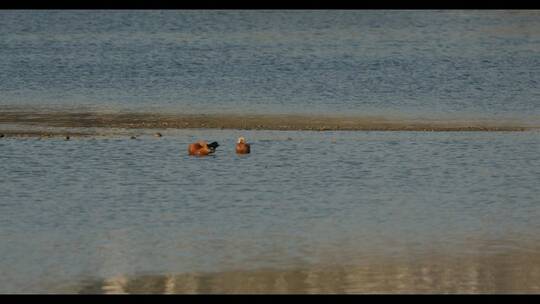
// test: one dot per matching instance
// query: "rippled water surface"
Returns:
(391, 63)
(306, 211)
(396, 207)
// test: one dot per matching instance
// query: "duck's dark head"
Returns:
(213, 146)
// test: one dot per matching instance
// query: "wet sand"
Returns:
(93, 123)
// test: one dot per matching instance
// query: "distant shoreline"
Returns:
(37, 123)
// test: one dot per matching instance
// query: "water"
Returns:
(88, 210)
(435, 64)
(333, 211)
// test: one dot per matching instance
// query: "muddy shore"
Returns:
(30, 122)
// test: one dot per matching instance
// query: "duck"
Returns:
(202, 148)
(242, 147)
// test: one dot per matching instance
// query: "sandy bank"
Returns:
(246, 122)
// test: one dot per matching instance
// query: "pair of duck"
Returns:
(203, 148)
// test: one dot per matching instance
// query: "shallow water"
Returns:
(333, 211)
(342, 211)
(420, 64)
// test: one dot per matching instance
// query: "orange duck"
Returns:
(202, 148)
(242, 147)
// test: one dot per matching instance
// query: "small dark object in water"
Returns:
(67, 137)
(158, 134)
(133, 137)
(213, 146)
(2, 135)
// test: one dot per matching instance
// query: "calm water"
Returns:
(86, 210)
(306, 211)
(391, 63)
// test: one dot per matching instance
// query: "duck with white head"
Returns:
(242, 147)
